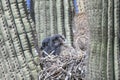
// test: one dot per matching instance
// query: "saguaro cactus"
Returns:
(18, 59)
(104, 27)
(54, 17)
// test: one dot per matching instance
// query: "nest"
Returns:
(68, 65)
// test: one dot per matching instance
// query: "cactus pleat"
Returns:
(37, 17)
(110, 44)
(52, 17)
(103, 57)
(42, 25)
(59, 16)
(116, 39)
(47, 12)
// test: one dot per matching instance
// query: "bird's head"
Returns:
(58, 39)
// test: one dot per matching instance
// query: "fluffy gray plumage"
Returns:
(52, 45)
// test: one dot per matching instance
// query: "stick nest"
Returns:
(66, 66)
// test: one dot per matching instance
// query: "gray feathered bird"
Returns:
(52, 45)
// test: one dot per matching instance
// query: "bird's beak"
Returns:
(62, 40)
(41, 48)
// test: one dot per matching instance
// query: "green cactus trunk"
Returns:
(104, 23)
(54, 17)
(18, 59)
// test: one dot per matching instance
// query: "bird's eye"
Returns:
(56, 38)
(46, 44)
(42, 48)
